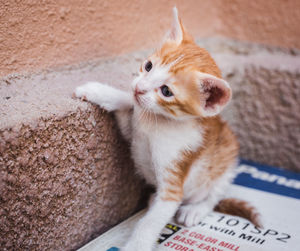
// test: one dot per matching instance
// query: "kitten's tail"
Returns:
(239, 208)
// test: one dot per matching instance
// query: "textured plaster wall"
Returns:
(271, 22)
(36, 35)
(41, 34)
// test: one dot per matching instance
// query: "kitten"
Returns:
(178, 142)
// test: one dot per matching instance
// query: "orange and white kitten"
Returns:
(178, 142)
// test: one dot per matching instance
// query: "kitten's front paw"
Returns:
(87, 92)
(191, 214)
(97, 93)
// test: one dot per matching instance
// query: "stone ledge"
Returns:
(64, 182)
(26, 98)
(65, 173)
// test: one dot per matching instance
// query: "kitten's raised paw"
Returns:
(191, 214)
(87, 92)
(83, 98)
(105, 96)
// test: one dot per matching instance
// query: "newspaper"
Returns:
(274, 192)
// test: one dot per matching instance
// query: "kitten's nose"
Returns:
(137, 92)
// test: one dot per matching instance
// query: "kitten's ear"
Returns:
(215, 93)
(176, 32)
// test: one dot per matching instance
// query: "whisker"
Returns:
(156, 123)
(140, 117)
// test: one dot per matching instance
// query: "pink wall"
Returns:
(54, 33)
(272, 22)
(37, 35)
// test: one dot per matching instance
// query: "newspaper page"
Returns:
(274, 192)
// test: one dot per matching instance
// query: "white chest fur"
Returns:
(157, 144)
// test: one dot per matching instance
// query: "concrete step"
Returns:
(65, 172)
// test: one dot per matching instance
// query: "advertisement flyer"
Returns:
(274, 192)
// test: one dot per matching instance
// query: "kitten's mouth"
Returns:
(136, 97)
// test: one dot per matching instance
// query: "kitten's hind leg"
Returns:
(191, 214)
(105, 96)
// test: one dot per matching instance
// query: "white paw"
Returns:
(191, 214)
(87, 91)
(97, 93)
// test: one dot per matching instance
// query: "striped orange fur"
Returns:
(220, 147)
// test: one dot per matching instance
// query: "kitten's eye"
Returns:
(166, 91)
(148, 66)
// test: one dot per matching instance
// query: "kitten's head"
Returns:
(181, 80)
